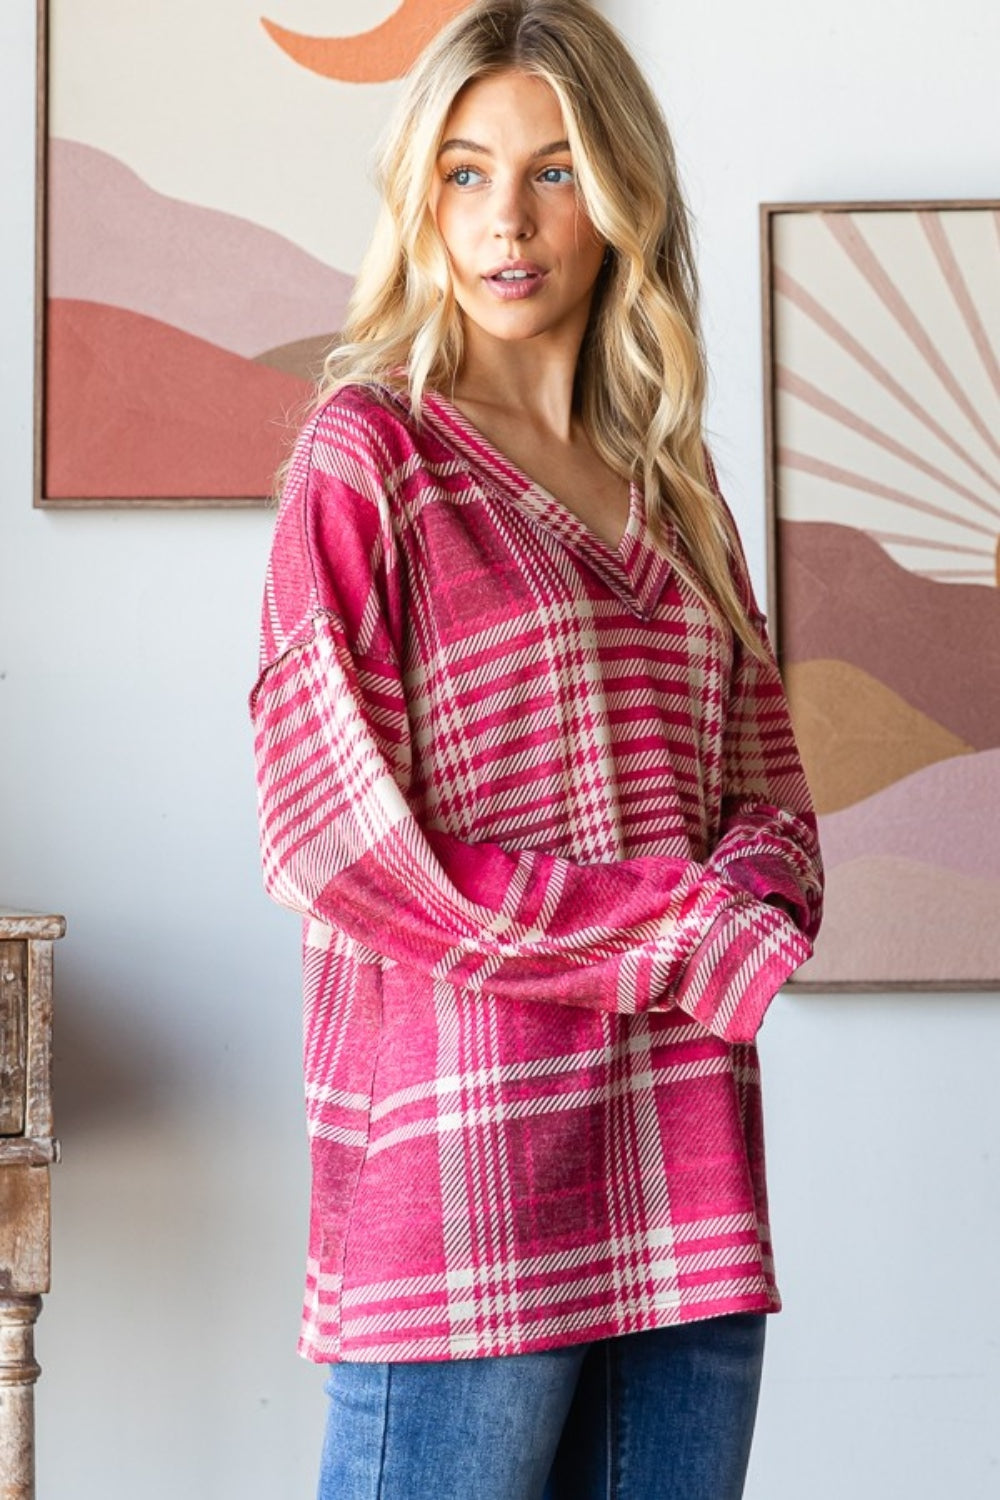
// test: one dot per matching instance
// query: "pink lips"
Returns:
(517, 287)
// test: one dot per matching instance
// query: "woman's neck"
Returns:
(531, 381)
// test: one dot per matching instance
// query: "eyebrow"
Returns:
(456, 144)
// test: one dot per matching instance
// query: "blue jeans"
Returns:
(663, 1415)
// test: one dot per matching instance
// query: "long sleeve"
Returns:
(341, 842)
(767, 843)
(767, 848)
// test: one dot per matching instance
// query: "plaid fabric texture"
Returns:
(549, 832)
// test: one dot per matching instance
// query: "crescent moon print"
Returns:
(375, 56)
(886, 449)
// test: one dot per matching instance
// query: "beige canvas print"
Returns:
(205, 198)
(882, 337)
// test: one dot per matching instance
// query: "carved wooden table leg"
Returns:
(27, 1147)
(18, 1373)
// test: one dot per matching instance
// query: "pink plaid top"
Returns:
(551, 838)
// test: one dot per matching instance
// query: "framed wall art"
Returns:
(203, 202)
(882, 397)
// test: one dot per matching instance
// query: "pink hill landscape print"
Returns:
(886, 496)
(181, 340)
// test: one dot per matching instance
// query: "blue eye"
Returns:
(557, 174)
(464, 176)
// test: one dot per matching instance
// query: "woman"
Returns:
(526, 770)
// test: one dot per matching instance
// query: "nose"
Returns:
(512, 216)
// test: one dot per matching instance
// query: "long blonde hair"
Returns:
(641, 377)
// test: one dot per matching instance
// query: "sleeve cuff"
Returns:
(737, 969)
(767, 878)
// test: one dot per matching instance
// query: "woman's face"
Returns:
(524, 254)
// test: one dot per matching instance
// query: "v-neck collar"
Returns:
(637, 570)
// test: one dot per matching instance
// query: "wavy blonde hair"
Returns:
(641, 377)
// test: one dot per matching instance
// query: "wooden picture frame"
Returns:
(128, 364)
(881, 340)
(204, 197)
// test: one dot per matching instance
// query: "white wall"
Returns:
(126, 648)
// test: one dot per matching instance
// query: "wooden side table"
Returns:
(27, 1148)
